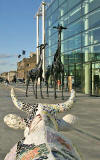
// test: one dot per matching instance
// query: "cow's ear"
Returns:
(14, 121)
(70, 119)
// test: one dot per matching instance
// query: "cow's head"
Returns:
(40, 127)
(36, 113)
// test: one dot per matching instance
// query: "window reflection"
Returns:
(72, 29)
(97, 52)
(75, 14)
(48, 60)
(93, 36)
(63, 9)
(72, 43)
(62, 1)
(73, 3)
(92, 4)
(82, 19)
(54, 5)
(93, 20)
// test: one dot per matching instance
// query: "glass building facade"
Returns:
(80, 42)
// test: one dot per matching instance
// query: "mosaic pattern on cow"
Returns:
(25, 152)
(42, 139)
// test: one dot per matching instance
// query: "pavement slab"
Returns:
(85, 134)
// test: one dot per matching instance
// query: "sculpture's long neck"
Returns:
(59, 41)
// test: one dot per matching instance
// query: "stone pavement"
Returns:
(85, 134)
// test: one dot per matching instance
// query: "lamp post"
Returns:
(37, 35)
(43, 35)
(41, 12)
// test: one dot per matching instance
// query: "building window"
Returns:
(91, 5)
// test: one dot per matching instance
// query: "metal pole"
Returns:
(37, 50)
(87, 70)
(43, 35)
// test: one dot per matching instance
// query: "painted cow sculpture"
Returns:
(42, 139)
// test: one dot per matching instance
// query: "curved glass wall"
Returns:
(80, 45)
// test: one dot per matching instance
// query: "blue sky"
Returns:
(17, 31)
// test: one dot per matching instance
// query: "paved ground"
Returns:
(85, 135)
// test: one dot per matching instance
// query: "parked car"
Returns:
(20, 80)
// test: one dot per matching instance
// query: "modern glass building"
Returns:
(80, 45)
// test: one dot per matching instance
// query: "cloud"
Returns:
(4, 56)
(6, 63)
(3, 63)
(6, 67)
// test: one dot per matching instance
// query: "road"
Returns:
(86, 132)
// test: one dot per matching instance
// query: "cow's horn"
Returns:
(61, 107)
(20, 105)
(16, 102)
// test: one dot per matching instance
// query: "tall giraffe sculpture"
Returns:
(57, 67)
(36, 73)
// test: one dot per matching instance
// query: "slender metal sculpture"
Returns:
(42, 139)
(57, 68)
(48, 73)
(36, 73)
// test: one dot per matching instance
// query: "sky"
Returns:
(17, 31)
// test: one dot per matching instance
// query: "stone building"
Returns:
(4, 75)
(25, 65)
(9, 75)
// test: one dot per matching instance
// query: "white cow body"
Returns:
(41, 137)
